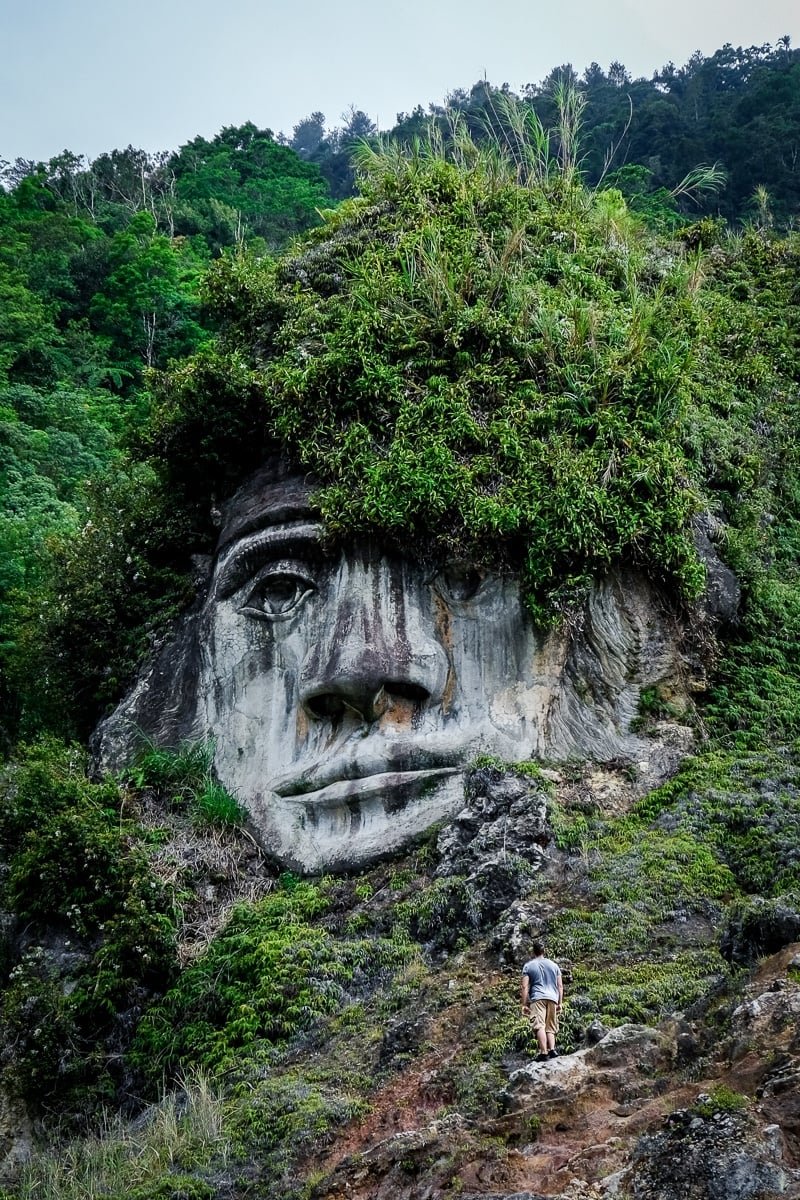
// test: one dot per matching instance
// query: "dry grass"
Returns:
(184, 1132)
(211, 869)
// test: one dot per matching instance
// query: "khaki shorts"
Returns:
(544, 1015)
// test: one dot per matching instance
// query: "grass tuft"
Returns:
(156, 1156)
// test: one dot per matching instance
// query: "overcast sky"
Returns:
(91, 75)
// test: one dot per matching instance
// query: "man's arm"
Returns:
(524, 991)
(560, 990)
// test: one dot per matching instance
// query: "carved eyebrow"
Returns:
(251, 552)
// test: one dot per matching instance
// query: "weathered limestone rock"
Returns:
(16, 1138)
(722, 1157)
(504, 816)
(626, 1048)
(347, 692)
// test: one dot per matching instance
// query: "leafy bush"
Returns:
(471, 360)
(287, 1115)
(645, 991)
(104, 593)
(441, 912)
(746, 806)
(757, 927)
(719, 1099)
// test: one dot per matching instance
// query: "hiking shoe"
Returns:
(541, 1058)
(553, 1053)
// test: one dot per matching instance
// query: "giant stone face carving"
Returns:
(346, 692)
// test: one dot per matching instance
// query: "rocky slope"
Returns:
(402, 1067)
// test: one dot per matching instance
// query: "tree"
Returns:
(148, 304)
(357, 125)
(308, 134)
(618, 74)
(275, 191)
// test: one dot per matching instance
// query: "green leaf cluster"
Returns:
(267, 976)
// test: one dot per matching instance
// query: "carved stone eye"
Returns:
(277, 595)
(459, 584)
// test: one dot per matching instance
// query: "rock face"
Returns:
(345, 693)
(726, 1157)
(612, 1121)
(16, 1137)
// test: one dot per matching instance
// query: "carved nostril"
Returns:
(368, 703)
(408, 691)
(326, 705)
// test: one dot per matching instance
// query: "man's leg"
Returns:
(539, 1019)
(551, 1026)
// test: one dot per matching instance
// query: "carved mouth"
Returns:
(343, 777)
(385, 783)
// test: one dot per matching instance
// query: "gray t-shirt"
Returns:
(544, 975)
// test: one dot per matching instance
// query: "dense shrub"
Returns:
(98, 928)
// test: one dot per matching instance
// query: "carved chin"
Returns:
(355, 821)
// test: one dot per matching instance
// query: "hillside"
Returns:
(505, 408)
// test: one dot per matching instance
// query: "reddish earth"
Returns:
(572, 1123)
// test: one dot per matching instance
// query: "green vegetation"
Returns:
(181, 1135)
(100, 267)
(268, 975)
(720, 1099)
(184, 776)
(490, 371)
(690, 853)
(512, 360)
(73, 864)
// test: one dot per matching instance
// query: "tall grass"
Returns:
(185, 777)
(182, 1134)
(515, 147)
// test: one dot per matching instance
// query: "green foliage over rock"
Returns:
(745, 806)
(267, 976)
(500, 369)
(92, 928)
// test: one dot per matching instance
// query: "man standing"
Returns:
(542, 994)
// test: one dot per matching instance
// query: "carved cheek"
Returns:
(443, 626)
(240, 655)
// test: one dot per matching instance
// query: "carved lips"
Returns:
(386, 783)
(333, 780)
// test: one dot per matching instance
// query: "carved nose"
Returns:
(377, 651)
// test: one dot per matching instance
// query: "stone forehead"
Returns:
(267, 498)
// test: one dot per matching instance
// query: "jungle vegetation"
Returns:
(102, 265)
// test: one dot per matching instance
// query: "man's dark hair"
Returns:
(538, 948)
